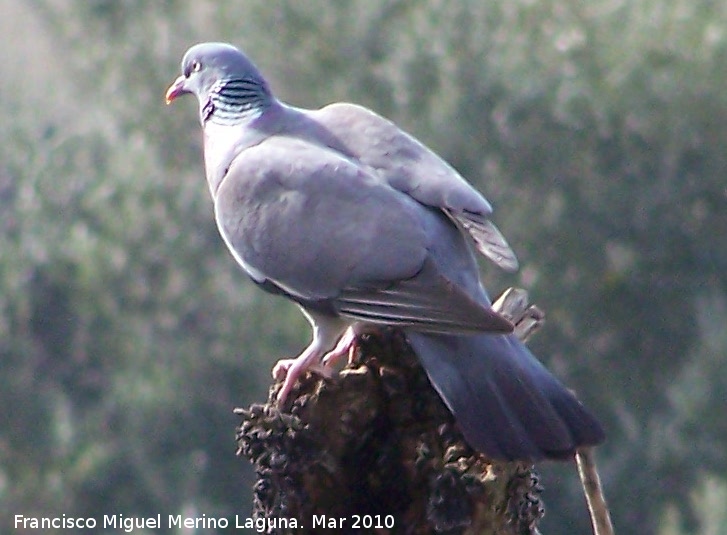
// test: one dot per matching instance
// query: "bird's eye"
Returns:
(195, 66)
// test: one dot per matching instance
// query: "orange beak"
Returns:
(176, 89)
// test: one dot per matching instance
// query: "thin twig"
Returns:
(600, 517)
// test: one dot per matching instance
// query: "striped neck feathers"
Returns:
(234, 101)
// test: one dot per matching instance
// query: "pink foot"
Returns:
(345, 346)
(327, 332)
(290, 370)
(280, 370)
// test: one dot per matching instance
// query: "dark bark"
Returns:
(377, 443)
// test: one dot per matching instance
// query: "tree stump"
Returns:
(377, 447)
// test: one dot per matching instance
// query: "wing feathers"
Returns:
(487, 237)
(427, 302)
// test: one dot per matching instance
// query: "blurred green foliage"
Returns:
(127, 333)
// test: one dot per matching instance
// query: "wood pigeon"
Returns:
(361, 225)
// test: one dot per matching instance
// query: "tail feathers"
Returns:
(506, 403)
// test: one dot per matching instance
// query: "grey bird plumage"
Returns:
(362, 225)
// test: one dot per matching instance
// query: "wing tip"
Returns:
(489, 241)
(504, 260)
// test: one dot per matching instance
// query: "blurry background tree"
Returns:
(127, 334)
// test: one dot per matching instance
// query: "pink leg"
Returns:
(345, 346)
(326, 332)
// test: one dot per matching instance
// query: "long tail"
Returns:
(506, 403)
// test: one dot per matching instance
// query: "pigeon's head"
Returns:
(208, 66)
